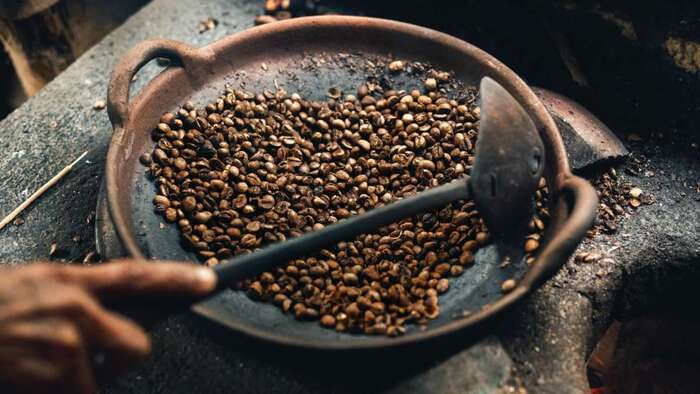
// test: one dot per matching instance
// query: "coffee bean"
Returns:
(161, 201)
(203, 217)
(266, 202)
(328, 321)
(145, 159)
(508, 285)
(456, 270)
(189, 203)
(470, 246)
(442, 286)
(170, 215)
(249, 240)
(466, 258)
(350, 279)
(253, 226)
(353, 311)
(365, 145)
(531, 245)
(396, 66)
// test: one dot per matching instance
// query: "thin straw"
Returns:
(39, 192)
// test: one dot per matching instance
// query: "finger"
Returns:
(49, 353)
(129, 277)
(24, 369)
(29, 372)
(102, 330)
(121, 339)
(69, 350)
(80, 376)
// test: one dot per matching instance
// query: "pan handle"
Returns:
(579, 202)
(193, 60)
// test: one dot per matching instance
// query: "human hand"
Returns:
(52, 321)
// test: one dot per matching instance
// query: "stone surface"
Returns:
(546, 339)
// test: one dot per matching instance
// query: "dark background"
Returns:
(617, 49)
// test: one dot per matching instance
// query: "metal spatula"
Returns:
(508, 165)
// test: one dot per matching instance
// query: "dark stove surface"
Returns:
(542, 345)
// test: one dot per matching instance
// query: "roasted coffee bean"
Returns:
(266, 202)
(202, 217)
(531, 245)
(170, 214)
(328, 321)
(456, 270)
(248, 170)
(466, 258)
(145, 159)
(442, 286)
(396, 66)
(162, 201)
(508, 285)
(350, 279)
(188, 204)
(249, 240)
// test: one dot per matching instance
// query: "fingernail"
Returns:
(206, 278)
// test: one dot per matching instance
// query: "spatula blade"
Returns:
(509, 162)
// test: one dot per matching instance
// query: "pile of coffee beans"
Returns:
(618, 199)
(249, 170)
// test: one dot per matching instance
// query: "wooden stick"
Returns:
(39, 192)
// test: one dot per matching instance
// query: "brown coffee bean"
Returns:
(342, 213)
(531, 245)
(470, 246)
(466, 258)
(233, 232)
(180, 163)
(249, 240)
(396, 66)
(203, 216)
(145, 159)
(241, 187)
(365, 145)
(189, 203)
(170, 215)
(350, 279)
(442, 286)
(255, 289)
(266, 202)
(508, 285)
(253, 226)
(353, 310)
(456, 270)
(328, 321)
(461, 218)
(442, 269)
